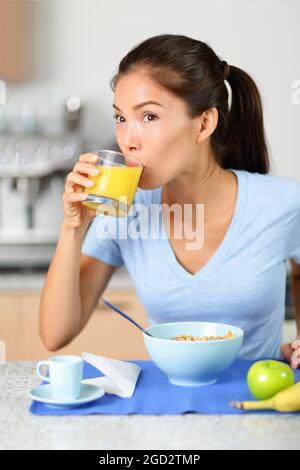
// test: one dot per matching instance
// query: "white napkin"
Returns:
(120, 377)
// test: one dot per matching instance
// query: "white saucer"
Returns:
(88, 393)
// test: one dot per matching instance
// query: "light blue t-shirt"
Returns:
(242, 284)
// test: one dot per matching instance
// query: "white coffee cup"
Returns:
(65, 375)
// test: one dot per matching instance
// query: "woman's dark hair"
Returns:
(191, 70)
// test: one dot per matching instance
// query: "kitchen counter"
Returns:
(33, 280)
(22, 430)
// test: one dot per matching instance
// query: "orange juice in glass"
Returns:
(115, 185)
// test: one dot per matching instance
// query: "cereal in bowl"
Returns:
(202, 338)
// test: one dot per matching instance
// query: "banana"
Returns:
(287, 400)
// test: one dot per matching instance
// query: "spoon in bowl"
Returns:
(116, 309)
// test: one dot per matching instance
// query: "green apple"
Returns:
(268, 377)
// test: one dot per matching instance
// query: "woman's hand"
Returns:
(75, 213)
(291, 352)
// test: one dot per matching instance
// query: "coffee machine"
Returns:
(32, 176)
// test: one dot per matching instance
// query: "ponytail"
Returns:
(246, 149)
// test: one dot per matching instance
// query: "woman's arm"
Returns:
(295, 286)
(291, 351)
(72, 288)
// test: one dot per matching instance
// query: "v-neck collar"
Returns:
(228, 239)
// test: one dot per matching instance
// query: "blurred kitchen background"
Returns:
(56, 60)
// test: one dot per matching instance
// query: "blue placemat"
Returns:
(155, 395)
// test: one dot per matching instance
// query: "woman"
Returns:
(197, 148)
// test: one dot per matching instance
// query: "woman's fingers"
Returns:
(291, 352)
(75, 197)
(88, 157)
(78, 179)
(295, 359)
(86, 168)
(296, 344)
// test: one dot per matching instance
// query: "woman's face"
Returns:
(161, 135)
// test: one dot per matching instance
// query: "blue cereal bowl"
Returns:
(192, 363)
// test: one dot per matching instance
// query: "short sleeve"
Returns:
(101, 243)
(292, 218)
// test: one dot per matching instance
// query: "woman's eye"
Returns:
(116, 116)
(152, 116)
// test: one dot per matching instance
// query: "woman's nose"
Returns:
(131, 138)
